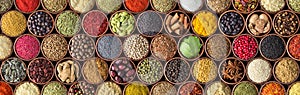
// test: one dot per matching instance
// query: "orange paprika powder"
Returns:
(5, 89)
(272, 88)
(27, 5)
(136, 5)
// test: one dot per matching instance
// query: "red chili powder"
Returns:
(5, 89)
(294, 45)
(95, 23)
(136, 5)
(27, 5)
(27, 47)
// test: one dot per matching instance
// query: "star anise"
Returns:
(231, 70)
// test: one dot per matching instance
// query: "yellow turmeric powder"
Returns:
(13, 23)
(136, 88)
(204, 23)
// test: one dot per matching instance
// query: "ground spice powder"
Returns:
(272, 88)
(286, 70)
(13, 23)
(27, 5)
(5, 89)
(295, 89)
(204, 23)
(5, 47)
(136, 5)
(136, 88)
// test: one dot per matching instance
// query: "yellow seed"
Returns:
(13, 23)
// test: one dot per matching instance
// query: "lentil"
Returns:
(13, 23)
(218, 88)
(149, 70)
(5, 5)
(68, 23)
(54, 88)
(13, 70)
(177, 23)
(136, 88)
(232, 70)
(245, 47)
(54, 6)
(145, 23)
(191, 88)
(109, 88)
(27, 88)
(218, 47)
(67, 71)
(54, 47)
(136, 47)
(286, 70)
(40, 23)
(82, 6)
(163, 47)
(81, 47)
(27, 6)
(245, 88)
(122, 23)
(294, 89)
(293, 47)
(27, 47)
(163, 5)
(286, 23)
(190, 46)
(95, 23)
(272, 88)
(231, 23)
(204, 70)
(109, 6)
(245, 5)
(40, 70)
(191, 5)
(163, 88)
(136, 5)
(272, 47)
(81, 88)
(272, 5)
(259, 23)
(204, 23)
(294, 4)
(122, 70)
(259, 70)
(6, 47)
(218, 5)
(95, 70)
(177, 70)
(5, 89)
(109, 47)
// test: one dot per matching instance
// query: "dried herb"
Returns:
(232, 71)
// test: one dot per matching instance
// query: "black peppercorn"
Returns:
(40, 23)
(231, 23)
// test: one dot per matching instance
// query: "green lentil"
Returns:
(122, 23)
(295, 5)
(5, 5)
(54, 6)
(136, 88)
(54, 88)
(109, 6)
(245, 88)
(150, 70)
(68, 23)
(163, 5)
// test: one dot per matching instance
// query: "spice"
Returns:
(149, 70)
(245, 6)
(245, 47)
(136, 88)
(232, 71)
(95, 70)
(259, 70)
(54, 88)
(5, 89)
(122, 70)
(204, 23)
(272, 5)
(40, 70)
(108, 6)
(177, 23)
(136, 47)
(27, 47)
(145, 23)
(294, 5)
(109, 88)
(163, 47)
(81, 88)
(95, 23)
(259, 23)
(294, 89)
(190, 46)
(272, 88)
(82, 6)
(163, 88)
(68, 23)
(54, 6)
(122, 23)
(163, 5)
(6, 47)
(245, 88)
(5, 5)
(136, 5)
(218, 5)
(13, 23)
(81, 47)
(27, 88)
(272, 47)
(286, 23)
(54, 47)
(109, 47)
(191, 5)
(68, 71)
(204, 70)
(40, 23)
(286, 70)
(218, 88)
(293, 47)
(191, 88)
(13, 70)
(231, 23)
(27, 6)
(177, 70)
(218, 47)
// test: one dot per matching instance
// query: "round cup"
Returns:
(57, 19)
(195, 62)
(220, 71)
(229, 49)
(52, 20)
(200, 53)
(167, 71)
(16, 51)
(82, 23)
(75, 62)
(256, 12)
(137, 22)
(110, 26)
(274, 67)
(261, 51)
(240, 32)
(232, 47)
(28, 73)
(269, 77)
(275, 23)
(165, 21)
(97, 51)
(13, 83)
(122, 58)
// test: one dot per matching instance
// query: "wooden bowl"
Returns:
(98, 87)
(229, 49)
(168, 71)
(209, 85)
(261, 44)
(110, 26)
(232, 47)
(69, 47)
(137, 23)
(226, 8)
(75, 63)
(269, 77)
(153, 53)
(193, 67)
(232, 93)
(194, 17)
(11, 48)
(287, 47)
(186, 30)
(196, 83)
(98, 6)
(277, 32)
(43, 52)
(262, 7)
(16, 88)
(97, 51)
(13, 83)
(200, 53)
(37, 7)
(16, 51)
(145, 55)
(124, 4)
(28, 72)
(72, 8)
(133, 67)
(84, 76)
(152, 89)
(52, 20)
(262, 87)
(274, 69)
(12, 4)
(233, 1)
(18, 25)
(225, 62)
(290, 86)
(55, 87)
(160, 76)
(173, 7)
(190, 12)
(257, 12)
(290, 7)
(240, 32)
(84, 28)
(57, 26)
(44, 7)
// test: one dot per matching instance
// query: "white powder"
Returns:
(259, 70)
(191, 5)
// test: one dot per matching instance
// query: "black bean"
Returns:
(231, 23)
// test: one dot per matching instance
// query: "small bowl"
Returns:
(152, 89)
(229, 49)
(44, 7)
(5, 90)
(12, 4)
(262, 7)
(209, 85)
(220, 71)
(63, 60)
(64, 53)
(110, 26)
(240, 32)
(262, 87)
(15, 90)
(84, 76)
(137, 82)
(98, 7)
(98, 87)
(16, 6)
(11, 51)
(194, 17)
(187, 78)
(69, 47)
(52, 20)
(18, 25)
(270, 76)
(151, 49)
(160, 76)
(226, 8)
(97, 51)
(71, 7)
(256, 12)
(124, 4)
(290, 86)
(233, 1)
(274, 67)
(200, 53)
(57, 19)
(196, 62)
(146, 54)
(55, 87)
(289, 12)
(122, 58)
(28, 73)
(152, 6)
(16, 51)
(287, 47)
(78, 83)
(13, 83)
(232, 93)
(235, 55)
(290, 7)
(190, 12)
(169, 14)
(82, 23)
(188, 82)
(259, 47)
(137, 22)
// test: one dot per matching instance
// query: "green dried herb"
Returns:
(190, 47)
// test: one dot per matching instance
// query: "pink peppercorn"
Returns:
(245, 47)
(27, 47)
(95, 23)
